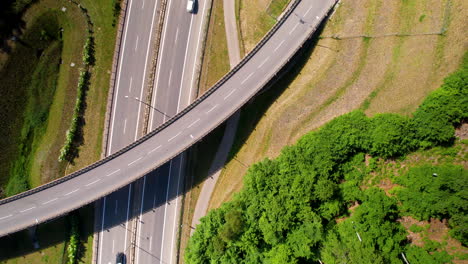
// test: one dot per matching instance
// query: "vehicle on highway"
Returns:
(121, 259)
(191, 6)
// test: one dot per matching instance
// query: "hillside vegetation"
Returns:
(311, 203)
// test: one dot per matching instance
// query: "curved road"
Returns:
(182, 132)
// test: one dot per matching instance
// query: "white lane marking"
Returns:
(118, 79)
(170, 78)
(191, 136)
(163, 40)
(176, 35)
(150, 244)
(143, 83)
(174, 136)
(136, 44)
(212, 108)
(102, 229)
(196, 53)
(126, 221)
(55, 199)
(130, 86)
(153, 150)
(130, 164)
(175, 211)
(116, 206)
(5, 217)
(113, 172)
(113, 245)
(294, 28)
(25, 210)
(125, 126)
(307, 12)
(91, 183)
(250, 75)
(229, 94)
(165, 210)
(140, 218)
(277, 47)
(263, 62)
(193, 123)
(71, 192)
(143, 4)
(183, 67)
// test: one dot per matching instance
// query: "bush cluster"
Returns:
(83, 82)
(288, 209)
(74, 242)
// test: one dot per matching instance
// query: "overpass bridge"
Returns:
(229, 94)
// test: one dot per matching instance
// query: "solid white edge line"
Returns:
(55, 199)
(155, 87)
(118, 81)
(175, 211)
(153, 150)
(112, 172)
(174, 136)
(248, 77)
(140, 219)
(71, 192)
(196, 53)
(165, 210)
(130, 164)
(5, 217)
(193, 123)
(102, 229)
(183, 67)
(128, 211)
(144, 71)
(25, 210)
(91, 183)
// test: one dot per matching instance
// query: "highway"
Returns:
(174, 136)
(119, 208)
(126, 121)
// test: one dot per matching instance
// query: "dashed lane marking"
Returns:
(174, 136)
(25, 210)
(153, 150)
(55, 199)
(71, 192)
(229, 94)
(250, 75)
(279, 45)
(130, 164)
(212, 108)
(5, 217)
(91, 183)
(193, 123)
(113, 172)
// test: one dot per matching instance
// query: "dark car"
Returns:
(121, 259)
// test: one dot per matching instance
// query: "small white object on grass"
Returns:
(72, 64)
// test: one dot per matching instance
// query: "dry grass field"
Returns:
(410, 46)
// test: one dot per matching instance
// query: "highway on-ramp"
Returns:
(177, 134)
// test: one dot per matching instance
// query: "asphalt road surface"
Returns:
(173, 139)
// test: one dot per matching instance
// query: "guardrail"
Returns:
(169, 122)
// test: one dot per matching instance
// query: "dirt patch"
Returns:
(462, 132)
(435, 230)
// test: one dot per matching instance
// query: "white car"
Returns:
(190, 6)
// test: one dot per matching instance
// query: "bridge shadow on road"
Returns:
(197, 163)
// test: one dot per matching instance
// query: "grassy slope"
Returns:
(338, 76)
(215, 57)
(102, 16)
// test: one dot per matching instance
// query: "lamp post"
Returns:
(154, 108)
